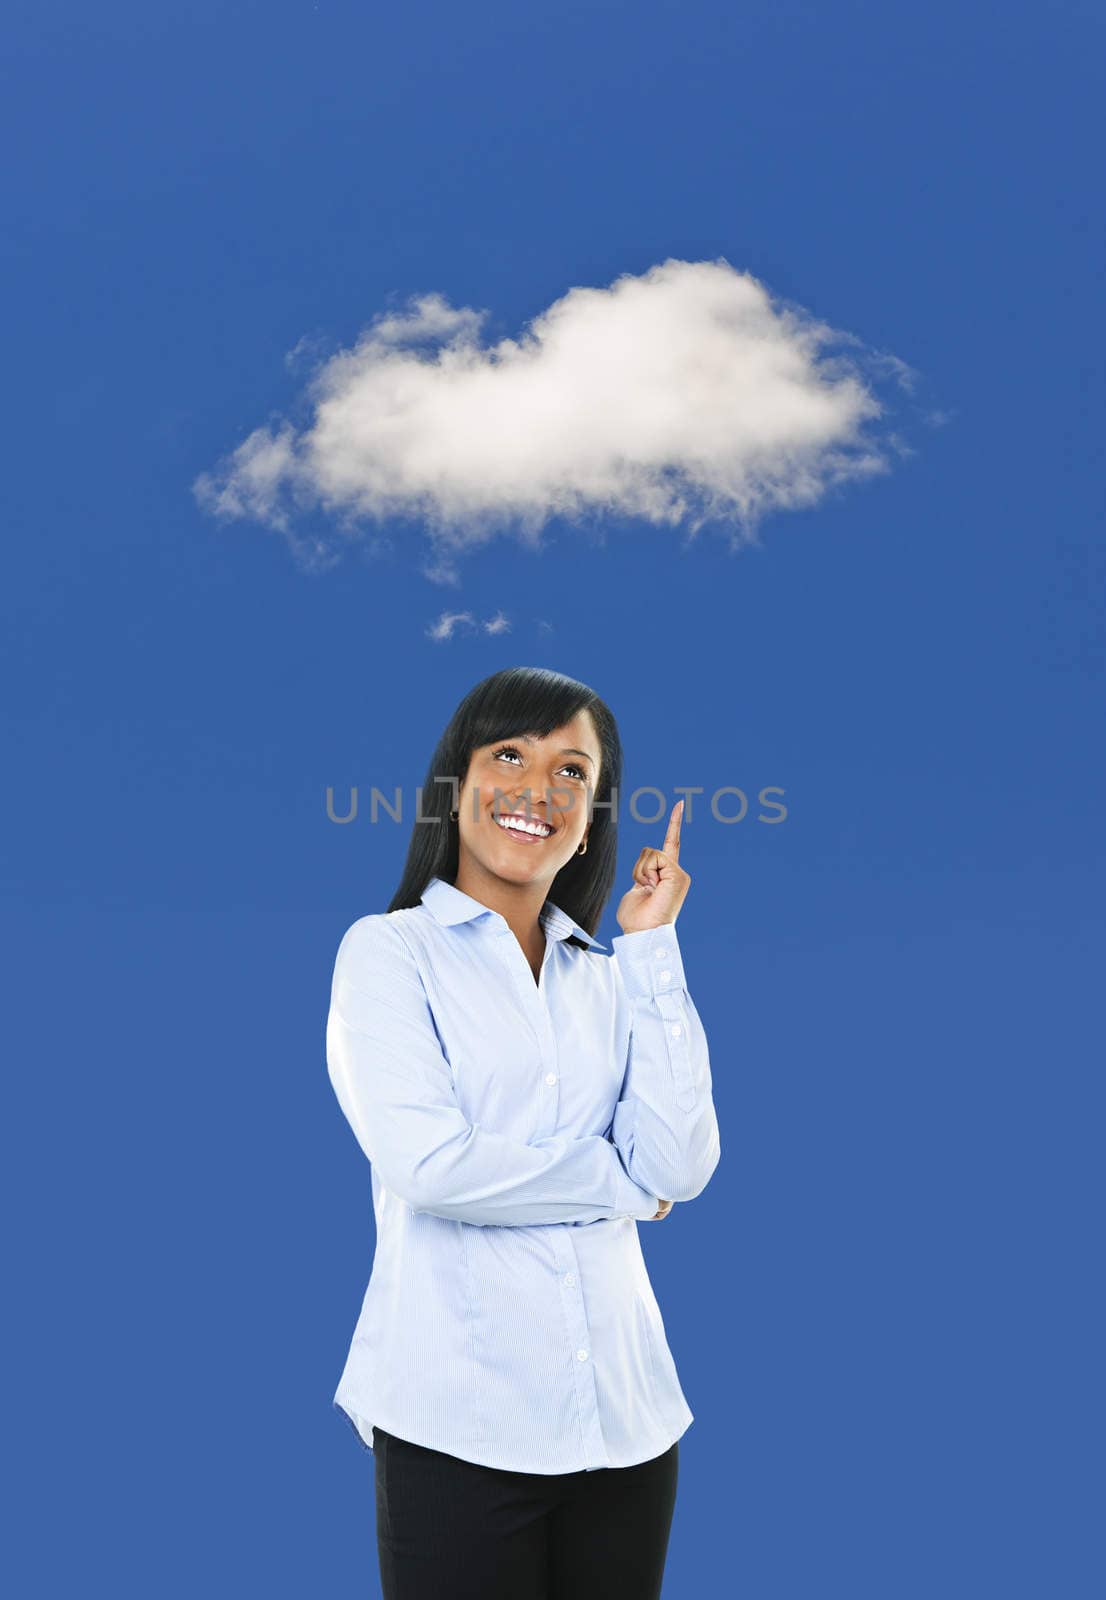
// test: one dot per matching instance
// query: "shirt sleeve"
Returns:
(393, 1083)
(664, 1123)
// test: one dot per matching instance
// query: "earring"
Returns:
(453, 815)
(582, 849)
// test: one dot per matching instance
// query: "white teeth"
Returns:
(520, 826)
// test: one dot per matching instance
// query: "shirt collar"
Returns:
(450, 905)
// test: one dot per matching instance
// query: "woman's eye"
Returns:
(571, 766)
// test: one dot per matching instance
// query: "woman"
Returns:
(524, 1102)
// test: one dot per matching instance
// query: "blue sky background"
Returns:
(884, 1307)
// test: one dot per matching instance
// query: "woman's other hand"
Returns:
(666, 1207)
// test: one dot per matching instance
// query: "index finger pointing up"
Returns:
(671, 845)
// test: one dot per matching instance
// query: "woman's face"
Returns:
(546, 781)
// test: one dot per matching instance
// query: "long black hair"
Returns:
(518, 700)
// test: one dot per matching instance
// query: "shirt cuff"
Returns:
(650, 962)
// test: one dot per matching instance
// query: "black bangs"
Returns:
(519, 700)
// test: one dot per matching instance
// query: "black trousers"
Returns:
(449, 1529)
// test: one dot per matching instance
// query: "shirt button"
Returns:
(581, 1355)
(664, 976)
(675, 1030)
(661, 950)
(570, 1278)
(551, 1077)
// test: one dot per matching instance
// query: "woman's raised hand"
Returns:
(660, 883)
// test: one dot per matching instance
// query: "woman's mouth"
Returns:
(527, 830)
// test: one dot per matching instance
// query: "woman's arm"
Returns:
(393, 1084)
(664, 1124)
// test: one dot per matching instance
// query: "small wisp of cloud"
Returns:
(450, 622)
(684, 396)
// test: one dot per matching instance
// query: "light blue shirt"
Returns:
(518, 1132)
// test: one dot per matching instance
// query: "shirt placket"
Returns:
(536, 1007)
(583, 1364)
(578, 1334)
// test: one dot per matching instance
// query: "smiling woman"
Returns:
(524, 1101)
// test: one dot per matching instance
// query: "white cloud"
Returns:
(682, 396)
